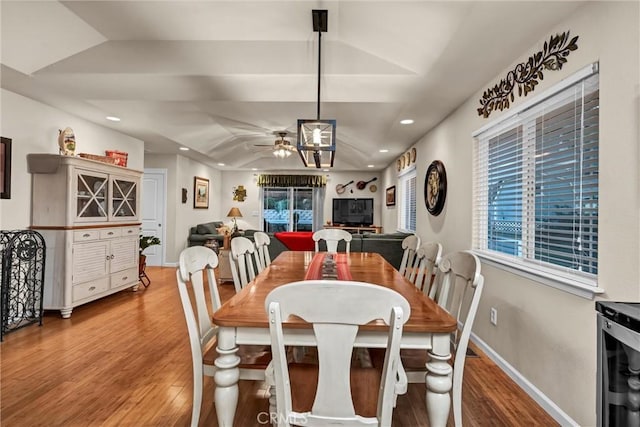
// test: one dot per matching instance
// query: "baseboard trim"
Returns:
(547, 404)
(170, 264)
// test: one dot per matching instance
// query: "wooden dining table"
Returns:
(243, 320)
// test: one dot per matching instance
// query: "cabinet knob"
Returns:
(112, 256)
(86, 235)
(125, 278)
(110, 233)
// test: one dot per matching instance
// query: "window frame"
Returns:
(572, 281)
(403, 202)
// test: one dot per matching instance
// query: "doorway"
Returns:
(154, 185)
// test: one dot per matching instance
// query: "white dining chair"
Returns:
(193, 263)
(410, 245)
(243, 261)
(427, 258)
(262, 242)
(457, 288)
(328, 305)
(332, 236)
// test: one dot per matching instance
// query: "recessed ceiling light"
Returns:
(220, 164)
(113, 118)
(325, 170)
(406, 122)
(254, 169)
(184, 148)
(369, 166)
(384, 150)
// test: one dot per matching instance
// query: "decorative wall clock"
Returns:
(435, 187)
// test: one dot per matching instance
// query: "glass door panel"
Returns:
(276, 214)
(302, 209)
(124, 198)
(91, 196)
(287, 209)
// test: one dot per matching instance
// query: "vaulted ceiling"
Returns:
(220, 77)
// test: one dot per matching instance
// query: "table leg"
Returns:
(438, 380)
(226, 377)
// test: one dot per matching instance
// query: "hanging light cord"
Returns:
(319, 63)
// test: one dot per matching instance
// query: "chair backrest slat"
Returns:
(427, 257)
(262, 242)
(410, 245)
(332, 236)
(242, 257)
(328, 305)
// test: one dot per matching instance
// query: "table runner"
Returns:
(314, 271)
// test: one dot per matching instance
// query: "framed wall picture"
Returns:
(200, 193)
(391, 196)
(5, 168)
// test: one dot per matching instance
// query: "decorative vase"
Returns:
(67, 142)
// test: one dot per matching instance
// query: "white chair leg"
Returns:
(197, 397)
(456, 394)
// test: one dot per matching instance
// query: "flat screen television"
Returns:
(353, 212)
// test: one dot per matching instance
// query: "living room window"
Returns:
(407, 199)
(536, 184)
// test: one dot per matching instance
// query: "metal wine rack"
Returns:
(22, 279)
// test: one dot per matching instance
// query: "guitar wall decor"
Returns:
(363, 184)
(341, 188)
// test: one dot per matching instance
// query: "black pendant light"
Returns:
(317, 137)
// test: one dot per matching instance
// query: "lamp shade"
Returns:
(235, 213)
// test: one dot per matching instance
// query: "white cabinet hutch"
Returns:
(87, 212)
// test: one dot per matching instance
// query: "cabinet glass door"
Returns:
(124, 198)
(91, 196)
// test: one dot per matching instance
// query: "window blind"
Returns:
(407, 219)
(536, 182)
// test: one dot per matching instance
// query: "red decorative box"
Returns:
(120, 157)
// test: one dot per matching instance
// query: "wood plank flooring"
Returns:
(125, 361)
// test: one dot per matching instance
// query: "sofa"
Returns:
(388, 245)
(199, 234)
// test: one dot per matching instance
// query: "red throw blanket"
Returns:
(296, 240)
(342, 266)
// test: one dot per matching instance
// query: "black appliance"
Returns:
(618, 381)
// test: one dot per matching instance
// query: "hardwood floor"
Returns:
(125, 360)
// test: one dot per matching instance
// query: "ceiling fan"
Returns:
(281, 147)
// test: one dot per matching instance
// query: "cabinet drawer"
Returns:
(89, 289)
(110, 233)
(84, 235)
(124, 277)
(130, 231)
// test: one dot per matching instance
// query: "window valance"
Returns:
(292, 181)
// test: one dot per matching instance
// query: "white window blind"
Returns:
(536, 183)
(407, 219)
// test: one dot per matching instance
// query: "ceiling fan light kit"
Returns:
(317, 138)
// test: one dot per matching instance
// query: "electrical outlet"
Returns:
(494, 316)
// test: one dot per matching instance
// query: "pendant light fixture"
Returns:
(317, 138)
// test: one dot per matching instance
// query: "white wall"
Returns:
(181, 172)
(33, 128)
(549, 336)
(250, 208)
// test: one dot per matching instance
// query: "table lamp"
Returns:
(234, 213)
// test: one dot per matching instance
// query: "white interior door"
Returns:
(153, 212)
